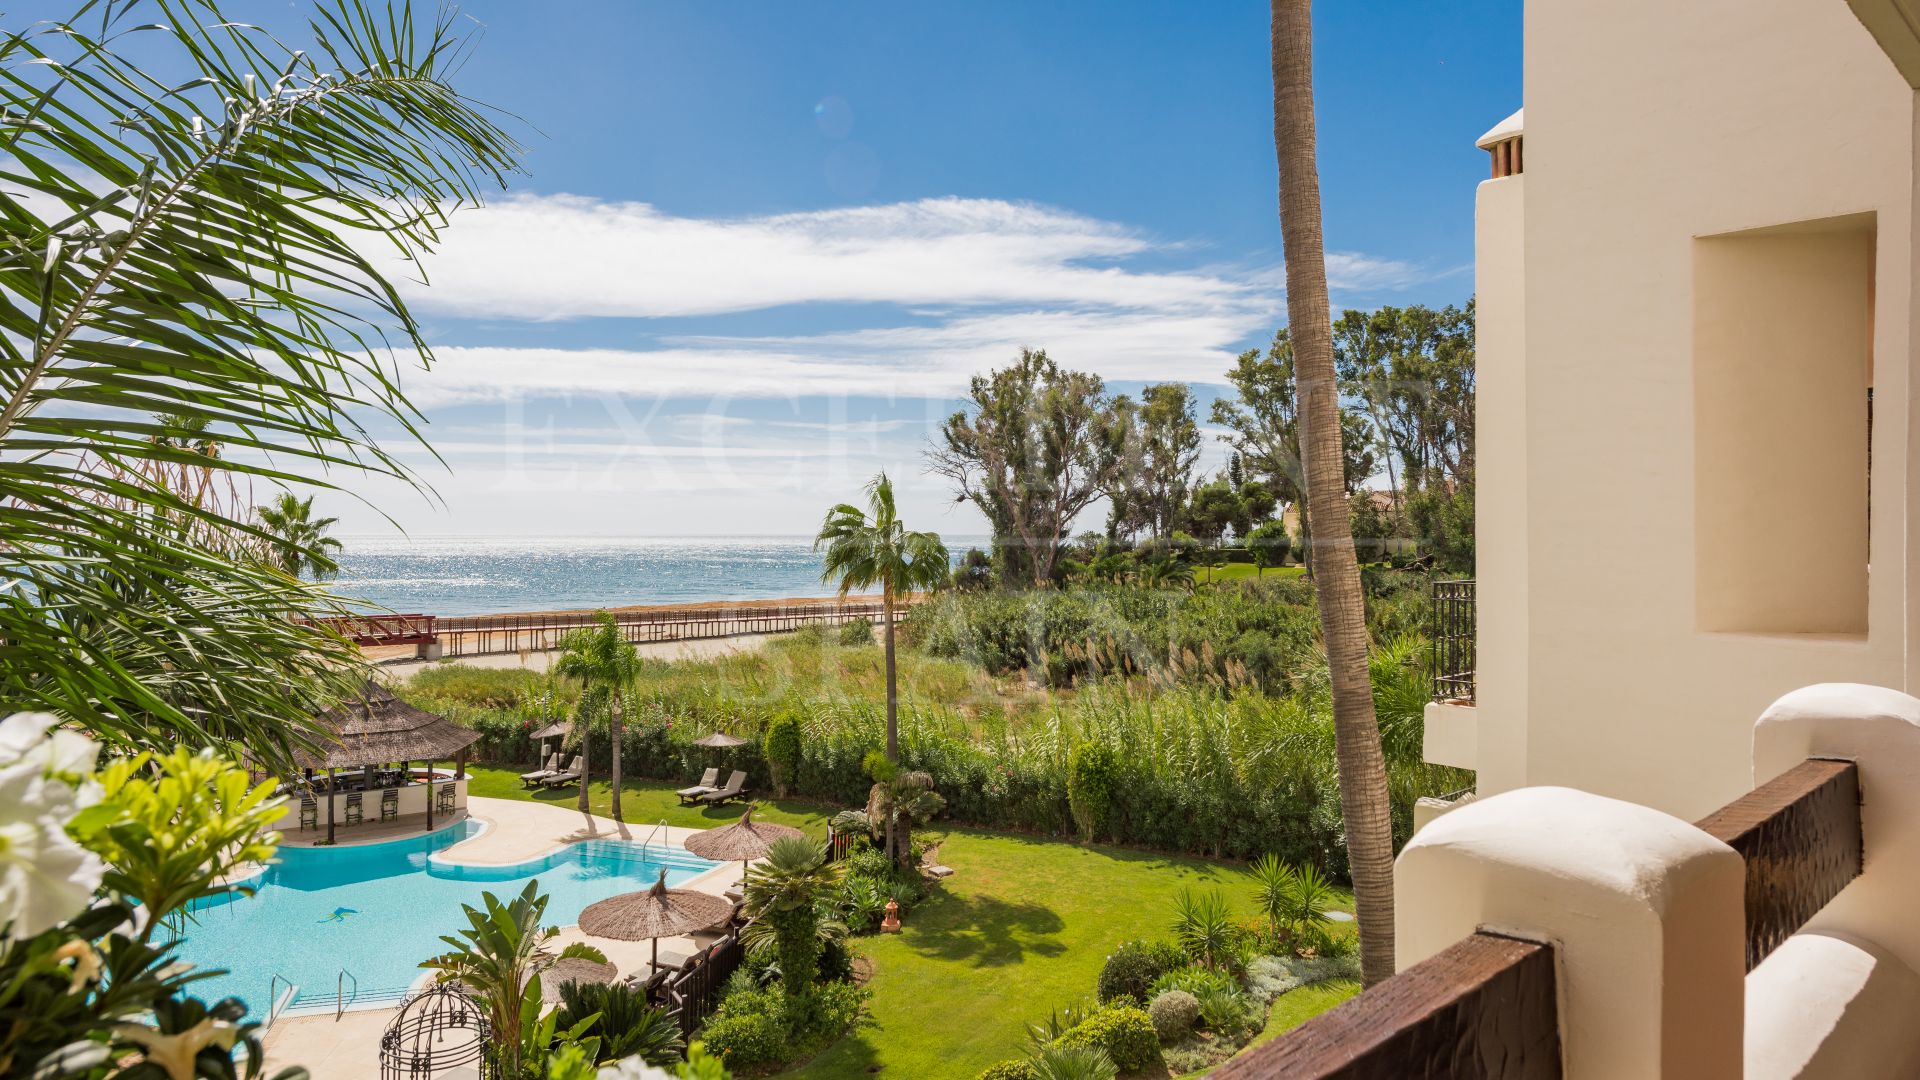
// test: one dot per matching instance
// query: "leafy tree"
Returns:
(182, 228)
(1364, 806)
(1269, 543)
(782, 745)
(606, 663)
(865, 551)
(975, 570)
(300, 544)
(1412, 371)
(1263, 419)
(1214, 509)
(1162, 440)
(1443, 520)
(1257, 504)
(1040, 445)
(785, 890)
(498, 957)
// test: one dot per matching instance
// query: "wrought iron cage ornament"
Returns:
(442, 1028)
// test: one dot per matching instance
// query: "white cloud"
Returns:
(565, 256)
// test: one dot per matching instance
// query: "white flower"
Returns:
(632, 1069)
(45, 877)
(175, 1053)
(21, 732)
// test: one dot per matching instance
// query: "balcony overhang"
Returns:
(1895, 24)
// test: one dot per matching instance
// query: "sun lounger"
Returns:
(529, 779)
(570, 775)
(705, 787)
(736, 789)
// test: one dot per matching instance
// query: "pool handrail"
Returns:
(340, 998)
(280, 1001)
(648, 842)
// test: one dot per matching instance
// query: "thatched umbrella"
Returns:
(720, 740)
(574, 969)
(745, 840)
(656, 913)
(559, 729)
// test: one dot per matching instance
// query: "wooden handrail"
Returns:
(1800, 836)
(1483, 1008)
(1486, 1007)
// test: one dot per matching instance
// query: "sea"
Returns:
(485, 575)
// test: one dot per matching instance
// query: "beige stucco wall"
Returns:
(1647, 126)
(1500, 654)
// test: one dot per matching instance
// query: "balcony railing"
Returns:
(1488, 1007)
(1452, 634)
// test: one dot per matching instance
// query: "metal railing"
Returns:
(1452, 637)
(341, 999)
(280, 1000)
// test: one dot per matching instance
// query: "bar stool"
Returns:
(356, 810)
(389, 804)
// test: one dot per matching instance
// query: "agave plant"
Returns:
(1058, 1021)
(183, 219)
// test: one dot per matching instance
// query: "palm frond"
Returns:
(187, 208)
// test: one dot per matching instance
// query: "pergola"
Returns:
(374, 727)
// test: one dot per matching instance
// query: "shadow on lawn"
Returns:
(986, 931)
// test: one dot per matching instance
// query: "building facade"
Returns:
(1695, 278)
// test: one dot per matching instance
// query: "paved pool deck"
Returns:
(349, 1048)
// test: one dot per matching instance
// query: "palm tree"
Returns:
(300, 544)
(1343, 626)
(783, 891)
(605, 662)
(863, 552)
(163, 252)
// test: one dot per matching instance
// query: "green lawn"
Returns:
(1243, 572)
(1022, 926)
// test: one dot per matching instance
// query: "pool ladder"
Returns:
(280, 999)
(656, 832)
(341, 999)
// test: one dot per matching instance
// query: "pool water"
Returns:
(375, 911)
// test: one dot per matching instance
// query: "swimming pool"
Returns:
(375, 911)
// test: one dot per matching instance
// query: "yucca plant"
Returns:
(1203, 925)
(187, 204)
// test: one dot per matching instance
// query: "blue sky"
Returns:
(760, 247)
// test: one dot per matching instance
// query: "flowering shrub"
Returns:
(151, 835)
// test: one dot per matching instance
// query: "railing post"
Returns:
(1644, 912)
(1879, 730)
